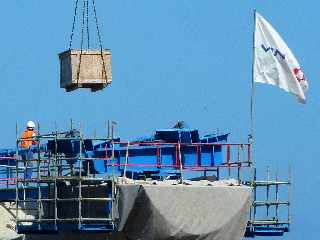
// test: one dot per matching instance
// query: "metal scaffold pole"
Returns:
(289, 194)
(39, 178)
(17, 176)
(180, 163)
(80, 177)
(113, 183)
(55, 179)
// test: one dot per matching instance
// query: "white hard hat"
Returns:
(31, 124)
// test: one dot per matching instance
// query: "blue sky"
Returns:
(172, 60)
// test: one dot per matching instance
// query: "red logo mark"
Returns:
(299, 74)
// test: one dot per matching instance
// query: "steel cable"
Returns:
(99, 37)
(73, 24)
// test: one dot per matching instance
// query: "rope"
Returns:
(82, 39)
(97, 23)
(85, 24)
(99, 37)
(73, 24)
(87, 16)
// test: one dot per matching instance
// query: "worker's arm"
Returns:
(34, 142)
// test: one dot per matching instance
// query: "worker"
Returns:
(27, 136)
(27, 140)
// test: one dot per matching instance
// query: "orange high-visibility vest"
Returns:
(26, 139)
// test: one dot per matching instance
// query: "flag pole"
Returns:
(250, 138)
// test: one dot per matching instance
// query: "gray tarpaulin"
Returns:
(188, 212)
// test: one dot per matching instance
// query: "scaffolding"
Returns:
(270, 210)
(61, 191)
(58, 191)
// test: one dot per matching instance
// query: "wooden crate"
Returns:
(90, 75)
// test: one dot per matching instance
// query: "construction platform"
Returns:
(68, 183)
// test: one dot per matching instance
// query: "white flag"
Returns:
(274, 63)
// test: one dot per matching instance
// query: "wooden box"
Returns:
(85, 69)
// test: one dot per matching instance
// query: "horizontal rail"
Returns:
(83, 199)
(62, 220)
(269, 183)
(59, 178)
(267, 222)
(8, 158)
(154, 143)
(27, 209)
(64, 199)
(97, 219)
(35, 200)
(270, 203)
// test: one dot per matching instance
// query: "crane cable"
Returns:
(85, 23)
(82, 37)
(100, 41)
(87, 17)
(73, 24)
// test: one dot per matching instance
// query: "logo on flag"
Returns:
(300, 77)
(299, 74)
(276, 52)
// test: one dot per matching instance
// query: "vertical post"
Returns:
(113, 185)
(198, 154)
(126, 163)
(212, 162)
(95, 133)
(228, 160)
(113, 124)
(251, 138)
(238, 164)
(80, 178)
(175, 160)
(8, 167)
(268, 189)
(252, 171)
(112, 129)
(252, 184)
(158, 156)
(71, 124)
(39, 177)
(249, 155)
(289, 195)
(55, 125)
(55, 179)
(252, 85)
(180, 162)
(17, 176)
(108, 124)
(254, 192)
(277, 196)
